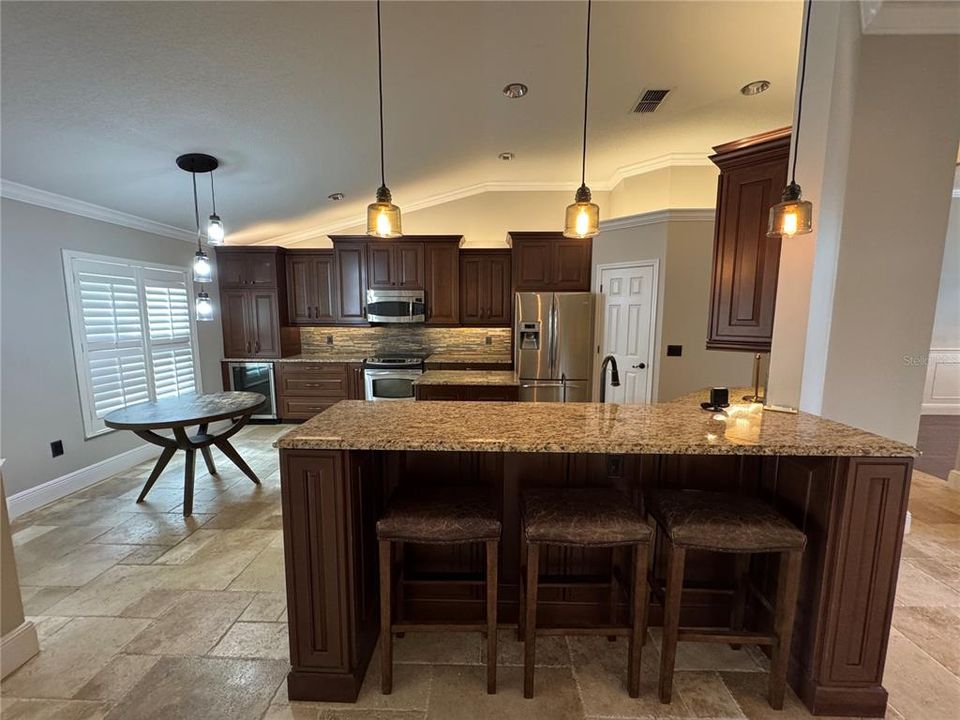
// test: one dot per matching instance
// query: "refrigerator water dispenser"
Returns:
(530, 336)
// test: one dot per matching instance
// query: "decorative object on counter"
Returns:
(383, 217)
(755, 396)
(739, 525)
(194, 163)
(583, 216)
(179, 413)
(793, 215)
(719, 399)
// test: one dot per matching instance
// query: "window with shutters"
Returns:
(134, 338)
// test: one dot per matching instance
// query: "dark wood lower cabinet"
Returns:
(852, 510)
(306, 389)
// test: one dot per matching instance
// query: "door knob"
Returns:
(640, 365)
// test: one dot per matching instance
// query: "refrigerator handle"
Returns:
(563, 384)
(553, 335)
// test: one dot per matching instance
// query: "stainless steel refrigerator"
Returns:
(553, 345)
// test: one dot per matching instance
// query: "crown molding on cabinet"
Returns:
(658, 216)
(34, 196)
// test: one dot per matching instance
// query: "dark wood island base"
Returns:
(852, 509)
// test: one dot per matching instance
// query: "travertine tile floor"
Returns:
(144, 614)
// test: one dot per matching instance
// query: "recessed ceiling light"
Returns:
(515, 90)
(756, 87)
(506, 156)
(335, 196)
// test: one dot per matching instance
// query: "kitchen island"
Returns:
(846, 488)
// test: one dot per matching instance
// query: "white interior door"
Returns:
(629, 319)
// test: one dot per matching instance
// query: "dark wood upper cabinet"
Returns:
(311, 287)
(485, 289)
(408, 261)
(253, 303)
(441, 271)
(380, 266)
(395, 264)
(753, 172)
(350, 265)
(547, 261)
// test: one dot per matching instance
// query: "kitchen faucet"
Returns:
(614, 375)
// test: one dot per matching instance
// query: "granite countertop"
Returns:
(467, 358)
(308, 358)
(667, 428)
(468, 377)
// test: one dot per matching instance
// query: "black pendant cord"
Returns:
(196, 210)
(213, 194)
(803, 73)
(383, 181)
(586, 97)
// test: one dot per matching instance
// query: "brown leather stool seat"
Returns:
(727, 523)
(440, 515)
(723, 522)
(437, 515)
(585, 517)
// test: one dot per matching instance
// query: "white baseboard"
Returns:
(35, 497)
(18, 646)
(907, 525)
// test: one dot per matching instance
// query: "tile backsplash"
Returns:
(405, 339)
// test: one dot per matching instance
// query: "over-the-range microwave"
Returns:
(396, 306)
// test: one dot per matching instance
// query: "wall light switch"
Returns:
(674, 350)
(329, 339)
(56, 448)
(488, 340)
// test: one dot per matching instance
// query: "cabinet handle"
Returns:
(258, 346)
(248, 346)
(364, 312)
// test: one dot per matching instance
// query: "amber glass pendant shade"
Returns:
(583, 216)
(383, 217)
(792, 215)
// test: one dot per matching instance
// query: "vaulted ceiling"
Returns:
(99, 98)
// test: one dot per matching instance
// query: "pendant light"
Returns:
(194, 163)
(215, 231)
(793, 215)
(583, 217)
(383, 217)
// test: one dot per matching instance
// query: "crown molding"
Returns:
(661, 162)
(658, 216)
(34, 196)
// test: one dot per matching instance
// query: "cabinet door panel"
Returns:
(498, 308)
(233, 317)
(301, 289)
(260, 269)
(532, 265)
(380, 270)
(351, 283)
(571, 264)
(471, 289)
(441, 278)
(264, 324)
(231, 269)
(408, 265)
(323, 272)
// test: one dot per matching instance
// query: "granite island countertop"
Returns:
(468, 377)
(466, 358)
(667, 428)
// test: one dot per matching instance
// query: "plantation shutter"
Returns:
(112, 339)
(170, 332)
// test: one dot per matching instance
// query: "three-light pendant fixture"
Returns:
(583, 216)
(194, 163)
(383, 217)
(793, 215)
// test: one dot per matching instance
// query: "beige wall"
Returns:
(673, 187)
(41, 401)
(684, 250)
(946, 322)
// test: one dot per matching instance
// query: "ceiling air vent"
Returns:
(650, 100)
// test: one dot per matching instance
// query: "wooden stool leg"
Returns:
(386, 637)
(639, 627)
(492, 580)
(739, 604)
(522, 612)
(530, 625)
(788, 584)
(671, 618)
(614, 555)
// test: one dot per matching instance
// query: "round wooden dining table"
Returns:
(177, 414)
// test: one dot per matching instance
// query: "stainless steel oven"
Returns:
(391, 378)
(395, 306)
(255, 377)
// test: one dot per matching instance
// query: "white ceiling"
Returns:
(99, 98)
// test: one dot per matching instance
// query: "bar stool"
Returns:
(453, 515)
(583, 517)
(722, 522)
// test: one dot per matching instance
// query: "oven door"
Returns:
(258, 378)
(389, 384)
